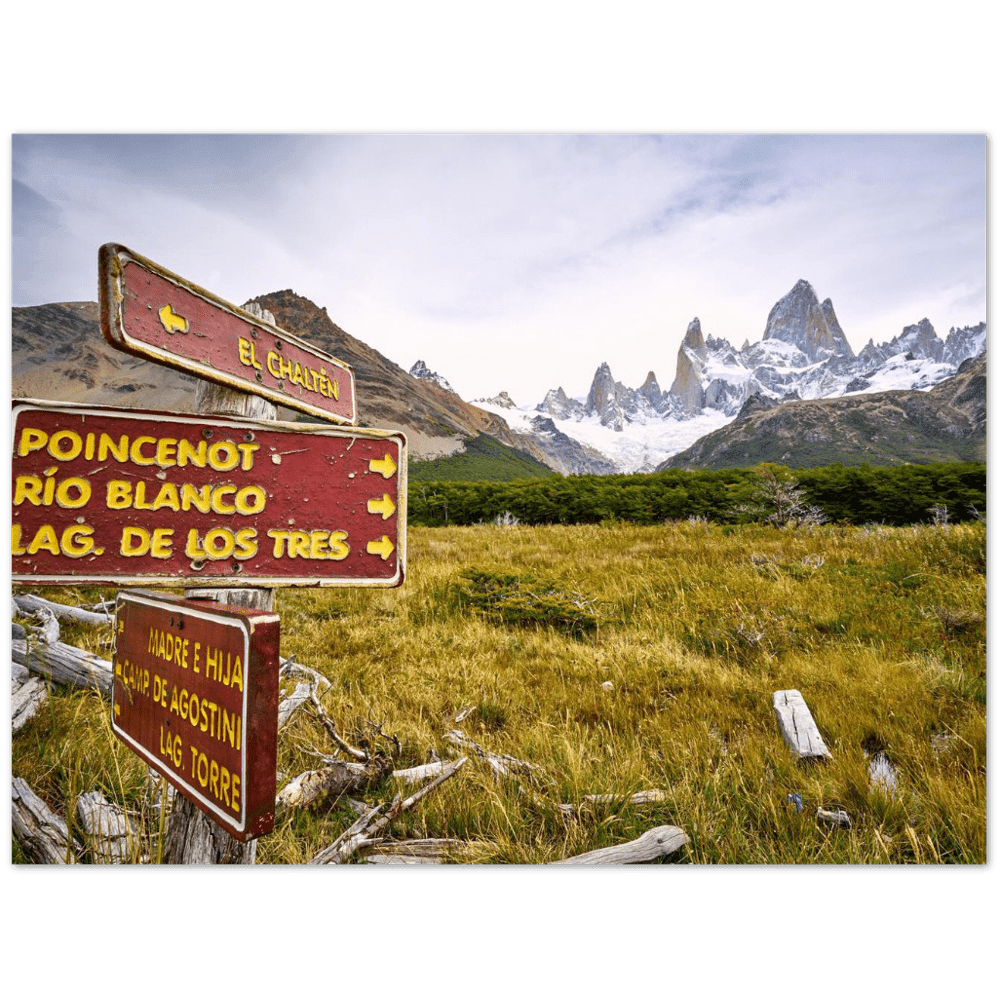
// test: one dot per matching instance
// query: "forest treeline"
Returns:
(849, 494)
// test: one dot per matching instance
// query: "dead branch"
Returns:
(368, 827)
(331, 730)
(502, 764)
(638, 799)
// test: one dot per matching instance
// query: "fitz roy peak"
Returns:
(800, 319)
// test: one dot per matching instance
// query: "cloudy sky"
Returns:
(523, 261)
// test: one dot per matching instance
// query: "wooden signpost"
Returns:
(194, 693)
(227, 497)
(152, 313)
(131, 498)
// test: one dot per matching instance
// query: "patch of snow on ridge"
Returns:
(898, 373)
(641, 447)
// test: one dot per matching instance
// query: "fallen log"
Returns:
(64, 664)
(43, 836)
(797, 726)
(654, 844)
(28, 694)
(338, 778)
(108, 833)
(30, 604)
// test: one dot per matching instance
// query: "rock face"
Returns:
(799, 319)
(560, 406)
(691, 357)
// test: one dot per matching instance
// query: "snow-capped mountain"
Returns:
(422, 372)
(803, 354)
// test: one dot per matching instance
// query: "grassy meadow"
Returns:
(618, 658)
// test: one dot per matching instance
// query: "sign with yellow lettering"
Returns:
(128, 497)
(152, 313)
(195, 694)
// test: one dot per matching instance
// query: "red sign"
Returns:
(195, 694)
(152, 313)
(122, 497)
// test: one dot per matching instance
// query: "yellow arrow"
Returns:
(385, 507)
(383, 548)
(171, 321)
(386, 466)
(118, 710)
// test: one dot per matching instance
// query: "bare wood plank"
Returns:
(654, 844)
(64, 664)
(108, 833)
(797, 726)
(43, 836)
(29, 604)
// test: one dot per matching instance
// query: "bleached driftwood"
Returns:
(338, 778)
(43, 836)
(47, 630)
(414, 775)
(370, 825)
(106, 827)
(797, 726)
(30, 604)
(502, 764)
(310, 682)
(409, 852)
(638, 799)
(331, 729)
(651, 846)
(63, 664)
(833, 817)
(28, 694)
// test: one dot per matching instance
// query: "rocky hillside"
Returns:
(58, 353)
(943, 424)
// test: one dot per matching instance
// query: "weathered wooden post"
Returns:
(192, 837)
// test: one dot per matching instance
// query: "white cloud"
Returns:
(519, 262)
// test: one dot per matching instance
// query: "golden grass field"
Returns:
(617, 659)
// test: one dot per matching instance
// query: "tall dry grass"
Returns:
(682, 633)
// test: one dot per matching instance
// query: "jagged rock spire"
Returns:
(800, 319)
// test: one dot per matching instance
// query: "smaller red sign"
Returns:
(152, 313)
(195, 694)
